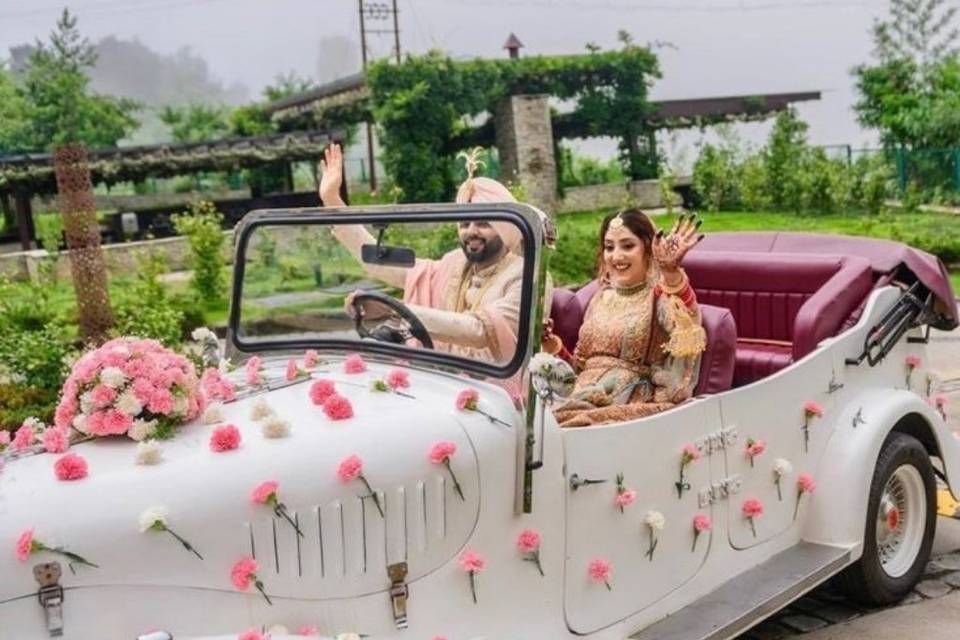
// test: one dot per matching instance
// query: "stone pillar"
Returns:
(524, 136)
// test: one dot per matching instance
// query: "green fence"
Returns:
(928, 170)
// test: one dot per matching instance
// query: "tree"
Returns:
(61, 106)
(911, 94)
(196, 122)
(14, 119)
(287, 84)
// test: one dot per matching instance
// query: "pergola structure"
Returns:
(24, 176)
(304, 110)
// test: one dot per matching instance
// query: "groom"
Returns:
(468, 300)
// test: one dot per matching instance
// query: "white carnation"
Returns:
(260, 409)
(277, 630)
(179, 405)
(128, 403)
(202, 334)
(213, 414)
(655, 520)
(113, 377)
(86, 402)
(149, 452)
(275, 428)
(348, 636)
(80, 422)
(151, 516)
(34, 423)
(782, 467)
(542, 363)
(142, 429)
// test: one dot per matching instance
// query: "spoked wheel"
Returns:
(901, 521)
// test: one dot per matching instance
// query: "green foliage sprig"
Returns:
(202, 226)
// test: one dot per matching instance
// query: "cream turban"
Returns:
(487, 190)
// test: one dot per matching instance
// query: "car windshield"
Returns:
(451, 286)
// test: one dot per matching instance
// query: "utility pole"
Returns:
(363, 53)
(376, 10)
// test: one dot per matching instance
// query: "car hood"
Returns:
(346, 544)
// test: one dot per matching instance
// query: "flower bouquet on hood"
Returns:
(131, 387)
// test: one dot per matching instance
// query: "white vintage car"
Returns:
(814, 374)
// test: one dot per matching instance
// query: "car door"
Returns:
(648, 452)
(770, 414)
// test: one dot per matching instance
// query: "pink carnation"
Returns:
(252, 369)
(691, 453)
(752, 509)
(160, 401)
(253, 634)
(812, 408)
(66, 411)
(599, 570)
(940, 401)
(756, 447)
(441, 452)
(625, 498)
(528, 541)
(702, 522)
(913, 361)
(308, 629)
(25, 545)
(23, 438)
(70, 467)
(311, 359)
(292, 370)
(243, 571)
(467, 400)
(806, 483)
(265, 491)
(398, 379)
(336, 407)
(216, 387)
(225, 438)
(56, 440)
(354, 364)
(471, 562)
(321, 390)
(115, 422)
(102, 396)
(350, 469)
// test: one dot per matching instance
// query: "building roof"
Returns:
(34, 172)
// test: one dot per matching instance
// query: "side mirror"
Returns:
(386, 255)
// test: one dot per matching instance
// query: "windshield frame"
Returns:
(521, 215)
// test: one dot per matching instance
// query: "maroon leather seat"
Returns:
(716, 365)
(783, 304)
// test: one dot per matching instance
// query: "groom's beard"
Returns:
(479, 250)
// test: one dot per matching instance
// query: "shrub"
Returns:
(824, 184)
(144, 310)
(872, 178)
(202, 225)
(715, 178)
(753, 184)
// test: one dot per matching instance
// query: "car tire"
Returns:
(896, 547)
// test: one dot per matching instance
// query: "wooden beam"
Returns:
(25, 219)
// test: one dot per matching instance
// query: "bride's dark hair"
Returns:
(639, 225)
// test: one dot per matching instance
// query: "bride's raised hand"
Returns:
(670, 250)
(331, 176)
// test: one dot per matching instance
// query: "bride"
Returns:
(639, 347)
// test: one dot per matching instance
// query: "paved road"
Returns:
(932, 612)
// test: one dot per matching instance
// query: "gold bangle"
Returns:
(674, 290)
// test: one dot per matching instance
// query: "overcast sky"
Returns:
(722, 47)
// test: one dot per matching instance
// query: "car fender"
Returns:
(838, 510)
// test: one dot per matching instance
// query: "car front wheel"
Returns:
(901, 521)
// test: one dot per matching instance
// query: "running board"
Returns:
(751, 597)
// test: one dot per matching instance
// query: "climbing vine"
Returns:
(426, 107)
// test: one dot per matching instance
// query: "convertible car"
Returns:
(433, 503)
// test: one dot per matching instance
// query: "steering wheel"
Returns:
(412, 326)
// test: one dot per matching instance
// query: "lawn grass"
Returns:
(937, 233)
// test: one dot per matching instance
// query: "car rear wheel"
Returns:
(901, 521)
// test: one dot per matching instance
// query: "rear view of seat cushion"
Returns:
(759, 360)
(717, 361)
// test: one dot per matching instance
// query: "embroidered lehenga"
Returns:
(638, 354)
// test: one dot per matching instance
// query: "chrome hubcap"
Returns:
(900, 520)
